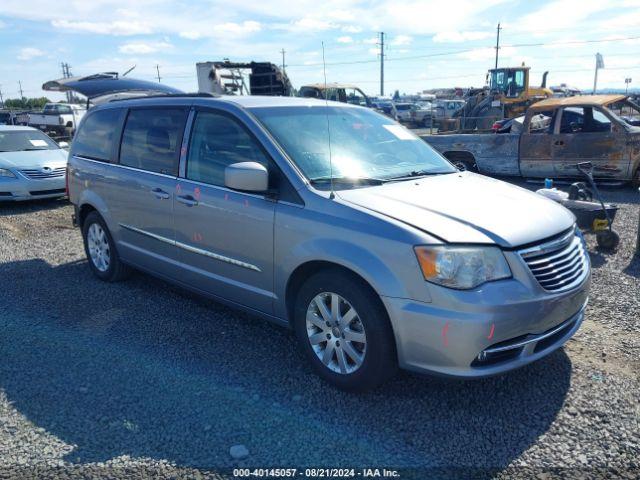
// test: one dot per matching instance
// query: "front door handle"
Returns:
(559, 143)
(160, 194)
(188, 200)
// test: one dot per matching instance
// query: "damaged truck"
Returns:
(552, 138)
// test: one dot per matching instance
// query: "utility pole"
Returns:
(381, 63)
(20, 85)
(1, 99)
(497, 43)
(599, 65)
(283, 51)
(627, 81)
(158, 72)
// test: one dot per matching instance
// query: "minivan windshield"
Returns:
(24, 140)
(364, 145)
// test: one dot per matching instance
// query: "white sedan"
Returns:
(31, 165)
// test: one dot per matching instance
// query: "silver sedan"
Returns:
(32, 165)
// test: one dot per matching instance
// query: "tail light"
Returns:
(496, 126)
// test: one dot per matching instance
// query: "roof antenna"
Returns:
(332, 195)
(128, 71)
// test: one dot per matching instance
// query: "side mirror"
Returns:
(63, 144)
(246, 177)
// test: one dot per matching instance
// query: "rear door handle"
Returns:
(188, 200)
(559, 143)
(160, 194)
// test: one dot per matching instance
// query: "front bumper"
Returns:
(485, 333)
(23, 189)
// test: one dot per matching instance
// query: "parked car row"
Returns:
(419, 113)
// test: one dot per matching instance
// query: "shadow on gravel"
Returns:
(633, 269)
(147, 370)
(31, 206)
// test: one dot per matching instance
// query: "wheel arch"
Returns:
(89, 201)
(307, 269)
(461, 156)
(84, 211)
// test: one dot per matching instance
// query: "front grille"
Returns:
(558, 264)
(41, 174)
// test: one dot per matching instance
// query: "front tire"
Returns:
(101, 252)
(343, 330)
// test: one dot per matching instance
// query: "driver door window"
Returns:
(218, 141)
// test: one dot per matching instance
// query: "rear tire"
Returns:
(353, 350)
(101, 252)
(462, 161)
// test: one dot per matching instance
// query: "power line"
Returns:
(467, 50)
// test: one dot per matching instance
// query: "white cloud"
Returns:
(307, 24)
(401, 40)
(117, 27)
(341, 15)
(28, 53)
(2, 24)
(457, 36)
(370, 41)
(560, 14)
(351, 29)
(345, 39)
(204, 30)
(143, 48)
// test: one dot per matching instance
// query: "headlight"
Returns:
(6, 173)
(462, 267)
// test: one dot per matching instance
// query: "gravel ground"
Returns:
(142, 379)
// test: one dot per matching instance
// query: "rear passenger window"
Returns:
(217, 141)
(100, 130)
(152, 139)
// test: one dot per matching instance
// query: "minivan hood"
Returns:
(34, 159)
(466, 208)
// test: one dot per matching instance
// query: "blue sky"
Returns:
(431, 43)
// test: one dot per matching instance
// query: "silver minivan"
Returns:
(335, 221)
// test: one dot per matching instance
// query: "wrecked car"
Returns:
(556, 134)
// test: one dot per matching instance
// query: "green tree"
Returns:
(26, 103)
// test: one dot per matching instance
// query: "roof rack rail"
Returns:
(167, 95)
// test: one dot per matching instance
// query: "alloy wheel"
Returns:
(336, 333)
(98, 246)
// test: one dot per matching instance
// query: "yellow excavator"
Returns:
(507, 95)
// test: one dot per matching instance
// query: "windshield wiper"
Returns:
(365, 180)
(417, 174)
(33, 149)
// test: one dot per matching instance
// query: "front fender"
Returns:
(363, 262)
